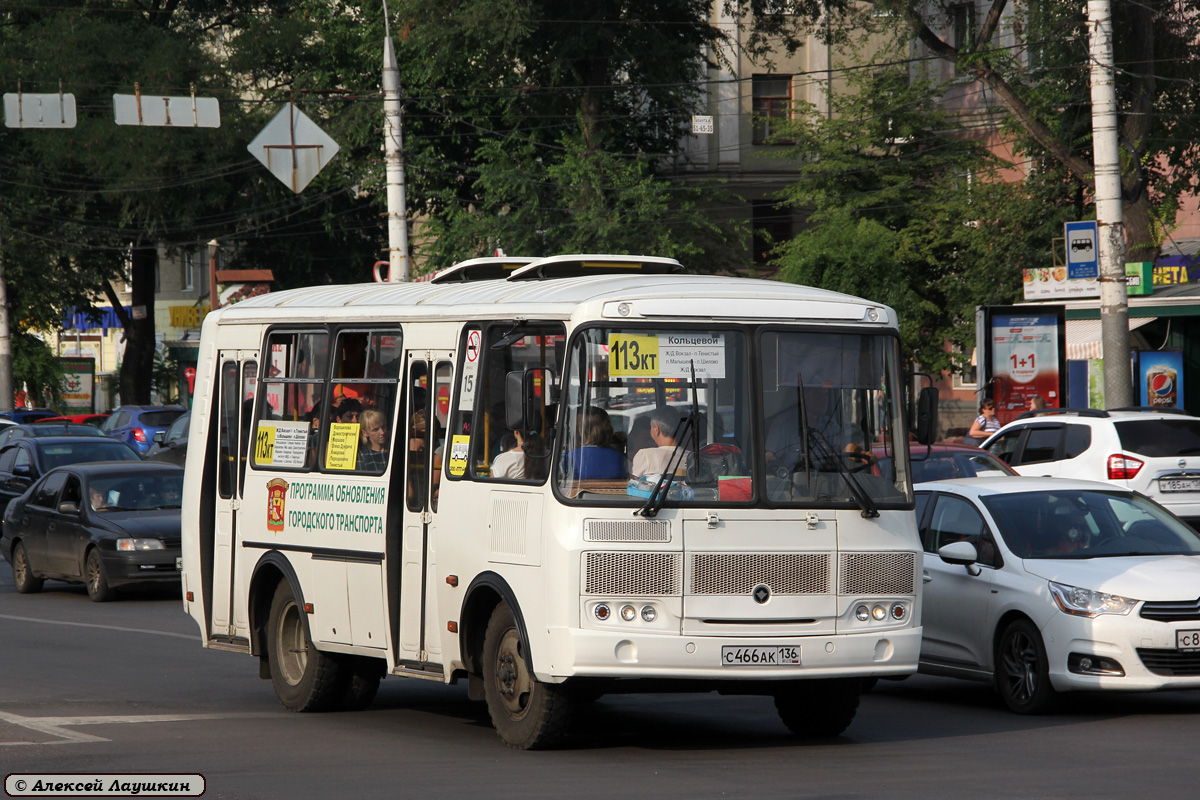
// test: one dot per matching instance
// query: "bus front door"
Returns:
(239, 374)
(428, 402)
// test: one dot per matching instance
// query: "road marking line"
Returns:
(58, 726)
(101, 627)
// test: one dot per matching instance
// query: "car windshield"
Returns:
(667, 416)
(931, 464)
(136, 492)
(60, 454)
(63, 429)
(1088, 524)
(1160, 437)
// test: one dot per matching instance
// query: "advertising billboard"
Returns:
(1024, 355)
(1160, 378)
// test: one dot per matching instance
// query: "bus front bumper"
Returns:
(573, 652)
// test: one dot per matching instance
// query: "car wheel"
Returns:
(1023, 671)
(305, 679)
(819, 708)
(23, 575)
(528, 714)
(96, 579)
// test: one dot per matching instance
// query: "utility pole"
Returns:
(1110, 221)
(6, 378)
(397, 215)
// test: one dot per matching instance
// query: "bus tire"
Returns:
(23, 577)
(819, 708)
(527, 714)
(305, 679)
(359, 680)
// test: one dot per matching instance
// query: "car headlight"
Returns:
(130, 545)
(1086, 603)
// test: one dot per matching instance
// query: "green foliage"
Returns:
(34, 364)
(166, 375)
(907, 210)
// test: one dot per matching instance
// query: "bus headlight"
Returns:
(862, 613)
(879, 612)
(602, 612)
(898, 611)
(628, 613)
(649, 614)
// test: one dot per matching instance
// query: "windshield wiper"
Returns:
(659, 494)
(827, 453)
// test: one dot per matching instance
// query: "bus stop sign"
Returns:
(1083, 250)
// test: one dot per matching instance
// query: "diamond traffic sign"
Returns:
(293, 148)
(24, 110)
(1083, 250)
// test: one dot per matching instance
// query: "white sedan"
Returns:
(1047, 585)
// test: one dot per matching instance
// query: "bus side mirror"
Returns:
(927, 415)
(529, 399)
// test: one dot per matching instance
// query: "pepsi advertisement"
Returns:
(1160, 378)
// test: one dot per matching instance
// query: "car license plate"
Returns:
(179, 563)
(1187, 641)
(1179, 484)
(766, 656)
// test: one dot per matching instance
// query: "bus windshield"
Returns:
(669, 414)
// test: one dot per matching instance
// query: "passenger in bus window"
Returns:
(347, 411)
(665, 425)
(511, 462)
(597, 459)
(372, 450)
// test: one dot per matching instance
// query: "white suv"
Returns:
(1156, 453)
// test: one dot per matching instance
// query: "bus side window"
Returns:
(498, 453)
(366, 366)
(293, 386)
(443, 377)
(418, 436)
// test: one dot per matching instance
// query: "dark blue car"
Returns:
(136, 425)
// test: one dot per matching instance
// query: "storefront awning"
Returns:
(1083, 337)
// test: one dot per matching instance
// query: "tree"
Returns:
(906, 209)
(542, 127)
(1043, 85)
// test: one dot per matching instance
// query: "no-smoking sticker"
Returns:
(473, 347)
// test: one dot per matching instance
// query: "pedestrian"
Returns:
(984, 425)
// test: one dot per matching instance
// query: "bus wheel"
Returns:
(527, 713)
(819, 708)
(359, 682)
(23, 577)
(305, 679)
(94, 576)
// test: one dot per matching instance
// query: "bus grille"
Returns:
(627, 530)
(643, 574)
(739, 573)
(877, 573)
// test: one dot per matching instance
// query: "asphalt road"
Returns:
(125, 687)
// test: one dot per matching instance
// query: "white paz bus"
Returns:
(552, 477)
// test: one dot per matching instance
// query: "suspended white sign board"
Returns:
(293, 148)
(24, 110)
(150, 110)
